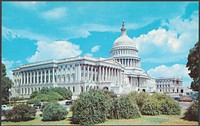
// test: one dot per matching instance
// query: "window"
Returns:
(73, 89)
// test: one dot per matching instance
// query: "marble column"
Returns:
(106, 68)
(45, 76)
(49, 75)
(108, 73)
(53, 76)
(103, 74)
(99, 78)
(27, 77)
(95, 73)
(91, 79)
(79, 72)
(31, 77)
(41, 76)
(88, 72)
(84, 72)
(37, 76)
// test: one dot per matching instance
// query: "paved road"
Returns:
(185, 105)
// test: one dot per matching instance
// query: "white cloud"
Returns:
(160, 38)
(28, 5)
(85, 29)
(19, 33)
(9, 66)
(89, 55)
(176, 70)
(95, 48)
(179, 38)
(54, 14)
(54, 50)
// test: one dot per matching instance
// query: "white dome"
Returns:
(124, 40)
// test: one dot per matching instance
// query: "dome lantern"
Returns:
(123, 29)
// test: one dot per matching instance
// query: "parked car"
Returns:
(68, 102)
(37, 106)
(5, 107)
(185, 99)
(176, 98)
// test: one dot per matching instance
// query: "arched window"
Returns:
(82, 89)
(73, 89)
(63, 77)
(73, 77)
(68, 78)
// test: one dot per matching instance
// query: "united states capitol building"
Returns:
(120, 73)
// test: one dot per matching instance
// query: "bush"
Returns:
(34, 94)
(34, 101)
(65, 93)
(123, 108)
(192, 112)
(20, 113)
(139, 98)
(151, 107)
(91, 108)
(167, 105)
(54, 112)
(50, 96)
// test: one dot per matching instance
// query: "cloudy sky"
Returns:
(163, 32)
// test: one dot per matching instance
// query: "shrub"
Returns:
(139, 98)
(91, 108)
(34, 94)
(170, 107)
(151, 107)
(54, 112)
(192, 112)
(20, 113)
(123, 108)
(34, 101)
(65, 93)
(167, 105)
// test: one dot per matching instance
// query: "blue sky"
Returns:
(162, 31)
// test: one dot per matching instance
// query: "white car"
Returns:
(5, 107)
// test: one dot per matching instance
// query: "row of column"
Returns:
(92, 74)
(32, 77)
(101, 74)
(129, 62)
(119, 52)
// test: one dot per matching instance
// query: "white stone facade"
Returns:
(169, 85)
(120, 73)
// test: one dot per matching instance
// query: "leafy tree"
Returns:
(6, 84)
(20, 113)
(92, 107)
(151, 106)
(138, 98)
(66, 93)
(54, 112)
(193, 66)
(192, 112)
(122, 107)
(34, 94)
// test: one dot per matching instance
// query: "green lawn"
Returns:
(144, 120)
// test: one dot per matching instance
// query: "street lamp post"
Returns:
(9, 92)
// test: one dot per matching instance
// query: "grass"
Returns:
(144, 120)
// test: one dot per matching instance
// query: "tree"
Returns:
(20, 113)
(92, 107)
(193, 66)
(54, 112)
(6, 84)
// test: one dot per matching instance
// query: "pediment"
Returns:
(113, 61)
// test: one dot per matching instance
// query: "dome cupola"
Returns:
(124, 48)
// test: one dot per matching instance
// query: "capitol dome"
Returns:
(124, 40)
(124, 50)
